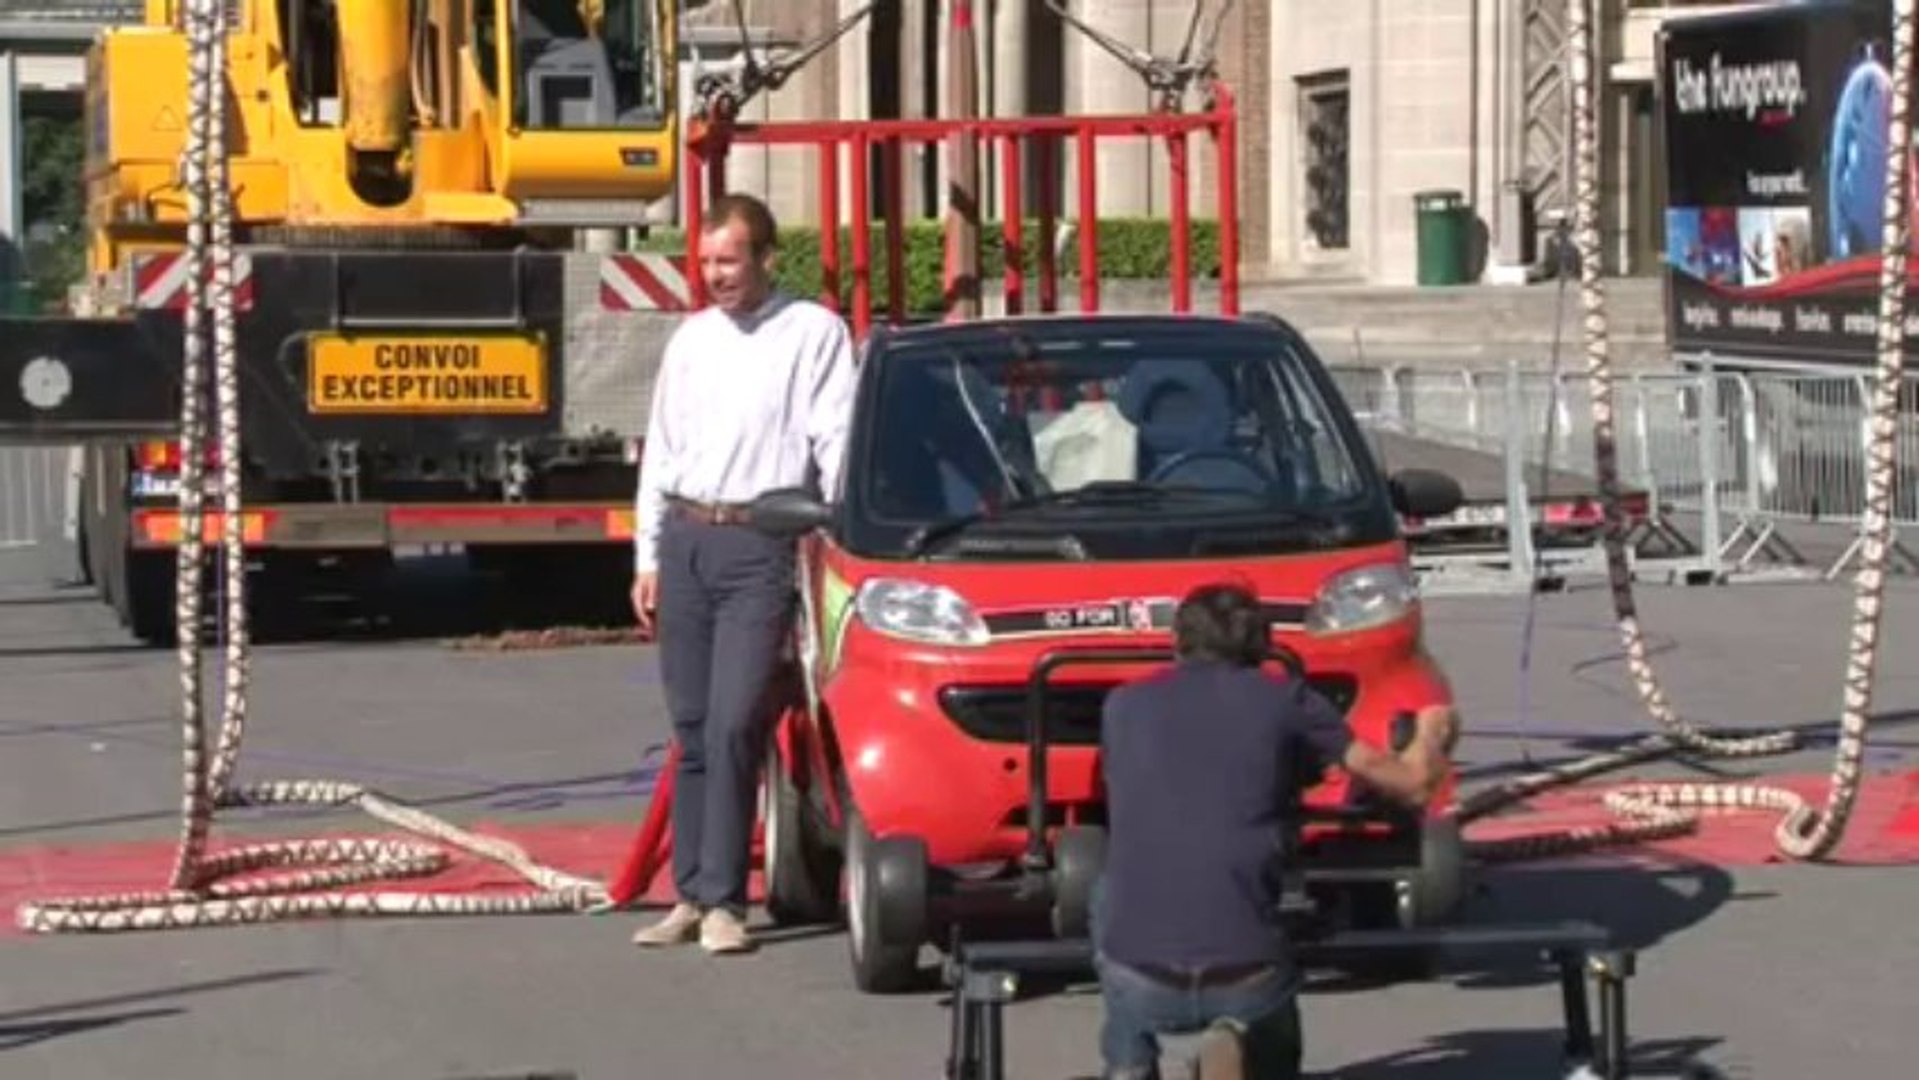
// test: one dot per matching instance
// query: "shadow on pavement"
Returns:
(20, 1036)
(70, 594)
(33, 652)
(25, 1027)
(1639, 906)
(1476, 1055)
(78, 824)
(628, 790)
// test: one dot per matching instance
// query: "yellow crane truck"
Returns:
(441, 341)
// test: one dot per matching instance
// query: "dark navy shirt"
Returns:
(1203, 762)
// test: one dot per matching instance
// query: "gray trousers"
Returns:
(725, 607)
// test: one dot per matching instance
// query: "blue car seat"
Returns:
(1181, 407)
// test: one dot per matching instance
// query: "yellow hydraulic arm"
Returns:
(376, 75)
(393, 115)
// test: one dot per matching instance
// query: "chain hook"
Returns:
(724, 94)
(1167, 78)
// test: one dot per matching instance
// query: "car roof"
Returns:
(1057, 325)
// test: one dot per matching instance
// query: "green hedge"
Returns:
(1129, 248)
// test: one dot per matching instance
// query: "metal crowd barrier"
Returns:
(34, 497)
(1726, 458)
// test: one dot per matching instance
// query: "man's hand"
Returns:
(1414, 774)
(1437, 725)
(646, 595)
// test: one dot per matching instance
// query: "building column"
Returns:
(1006, 57)
(790, 175)
(1097, 83)
(1246, 65)
(1513, 255)
(919, 89)
(12, 223)
(854, 60)
(1003, 56)
(1162, 32)
(853, 83)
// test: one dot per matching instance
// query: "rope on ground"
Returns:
(196, 896)
(1661, 811)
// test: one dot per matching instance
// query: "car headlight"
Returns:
(916, 611)
(1362, 599)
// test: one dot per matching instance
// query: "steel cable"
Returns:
(1662, 810)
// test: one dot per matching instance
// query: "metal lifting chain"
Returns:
(195, 896)
(1660, 810)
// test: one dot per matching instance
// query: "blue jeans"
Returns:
(1140, 1007)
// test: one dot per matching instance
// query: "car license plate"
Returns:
(1467, 517)
(363, 373)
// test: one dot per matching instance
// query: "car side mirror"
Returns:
(1425, 493)
(788, 512)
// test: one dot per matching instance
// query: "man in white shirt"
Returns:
(754, 392)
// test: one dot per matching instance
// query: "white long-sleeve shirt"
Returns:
(743, 407)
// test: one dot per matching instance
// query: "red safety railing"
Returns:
(844, 146)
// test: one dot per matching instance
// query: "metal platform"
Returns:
(986, 976)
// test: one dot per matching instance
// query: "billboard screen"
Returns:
(1776, 136)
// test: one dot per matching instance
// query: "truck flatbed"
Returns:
(1481, 474)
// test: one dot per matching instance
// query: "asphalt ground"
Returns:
(1755, 969)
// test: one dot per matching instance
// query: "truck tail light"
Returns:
(163, 455)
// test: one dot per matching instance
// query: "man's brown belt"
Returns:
(707, 513)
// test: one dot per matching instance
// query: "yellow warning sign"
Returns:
(167, 119)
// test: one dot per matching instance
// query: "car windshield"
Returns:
(1081, 423)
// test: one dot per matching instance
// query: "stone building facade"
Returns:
(1348, 109)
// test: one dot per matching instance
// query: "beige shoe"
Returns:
(678, 927)
(723, 932)
(1221, 1055)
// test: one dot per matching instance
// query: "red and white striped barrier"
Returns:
(160, 281)
(645, 281)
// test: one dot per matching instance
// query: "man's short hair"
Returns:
(1222, 622)
(762, 232)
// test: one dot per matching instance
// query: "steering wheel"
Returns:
(1263, 481)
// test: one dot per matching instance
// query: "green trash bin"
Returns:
(1443, 220)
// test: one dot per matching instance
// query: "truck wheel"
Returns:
(147, 602)
(104, 529)
(802, 872)
(105, 565)
(886, 908)
(1078, 860)
(83, 547)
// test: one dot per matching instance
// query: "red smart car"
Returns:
(1025, 502)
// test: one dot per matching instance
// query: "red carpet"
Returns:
(59, 871)
(1883, 829)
